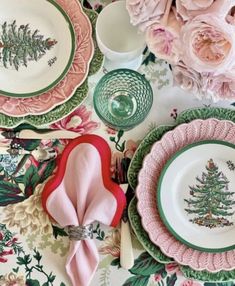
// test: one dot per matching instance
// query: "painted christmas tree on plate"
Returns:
(19, 45)
(211, 201)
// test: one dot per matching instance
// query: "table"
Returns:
(31, 249)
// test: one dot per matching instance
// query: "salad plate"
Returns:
(148, 178)
(37, 46)
(43, 103)
(195, 195)
(79, 95)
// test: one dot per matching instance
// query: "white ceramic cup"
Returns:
(119, 41)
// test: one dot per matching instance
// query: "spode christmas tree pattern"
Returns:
(19, 45)
(210, 200)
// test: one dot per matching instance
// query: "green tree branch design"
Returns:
(211, 199)
(20, 45)
(9, 244)
(119, 146)
(26, 260)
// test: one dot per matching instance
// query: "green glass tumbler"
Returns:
(122, 99)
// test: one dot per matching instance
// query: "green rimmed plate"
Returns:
(135, 166)
(37, 47)
(195, 195)
(156, 253)
(69, 106)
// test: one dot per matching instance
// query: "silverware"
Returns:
(32, 134)
(40, 154)
(126, 249)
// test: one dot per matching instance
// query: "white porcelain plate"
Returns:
(196, 196)
(37, 45)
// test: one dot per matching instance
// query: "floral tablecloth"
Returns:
(32, 249)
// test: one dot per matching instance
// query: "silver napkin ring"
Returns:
(80, 232)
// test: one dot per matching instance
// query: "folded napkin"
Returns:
(80, 193)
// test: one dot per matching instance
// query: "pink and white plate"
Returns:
(161, 152)
(76, 75)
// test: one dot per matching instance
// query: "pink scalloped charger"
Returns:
(161, 152)
(76, 75)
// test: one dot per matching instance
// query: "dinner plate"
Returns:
(143, 149)
(196, 198)
(148, 178)
(37, 46)
(76, 75)
(156, 253)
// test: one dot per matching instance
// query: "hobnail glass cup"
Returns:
(123, 99)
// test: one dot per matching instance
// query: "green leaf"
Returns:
(21, 164)
(120, 134)
(31, 179)
(62, 284)
(58, 231)
(102, 234)
(163, 274)
(21, 261)
(150, 58)
(146, 265)
(19, 179)
(51, 278)
(46, 284)
(15, 269)
(145, 50)
(170, 281)
(137, 281)
(123, 146)
(115, 262)
(31, 282)
(37, 255)
(27, 259)
(30, 145)
(50, 167)
(9, 193)
(112, 139)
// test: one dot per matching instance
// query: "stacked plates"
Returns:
(184, 178)
(46, 53)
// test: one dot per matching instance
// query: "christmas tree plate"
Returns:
(37, 46)
(76, 75)
(148, 179)
(196, 198)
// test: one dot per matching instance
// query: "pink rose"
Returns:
(189, 9)
(157, 277)
(187, 78)
(220, 87)
(185, 8)
(172, 268)
(78, 121)
(208, 44)
(163, 39)
(230, 12)
(145, 12)
(190, 283)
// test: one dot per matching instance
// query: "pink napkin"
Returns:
(80, 193)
